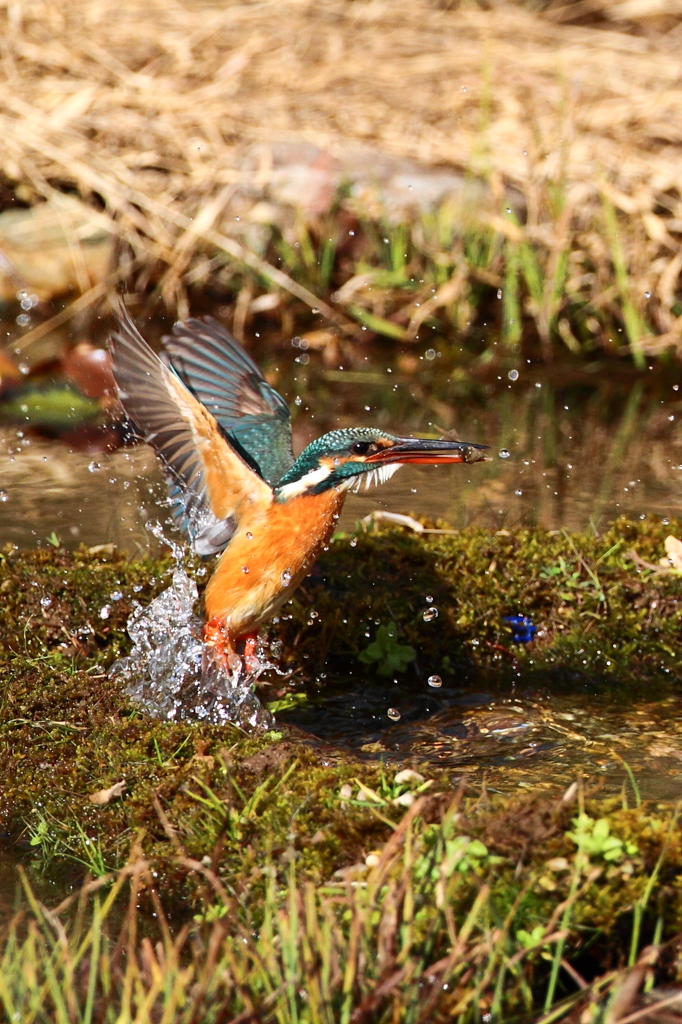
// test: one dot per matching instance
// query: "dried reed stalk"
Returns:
(157, 106)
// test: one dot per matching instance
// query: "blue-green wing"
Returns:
(217, 370)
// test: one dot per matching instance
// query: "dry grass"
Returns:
(156, 107)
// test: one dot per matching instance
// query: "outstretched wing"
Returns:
(209, 482)
(226, 380)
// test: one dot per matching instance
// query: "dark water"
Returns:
(570, 447)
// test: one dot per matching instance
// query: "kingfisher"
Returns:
(223, 437)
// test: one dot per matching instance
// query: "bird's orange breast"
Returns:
(271, 552)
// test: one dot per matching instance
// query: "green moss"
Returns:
(601, 616)
(67, 731)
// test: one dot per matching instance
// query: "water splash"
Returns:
(178, 677)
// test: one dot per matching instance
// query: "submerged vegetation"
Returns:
(292, 881)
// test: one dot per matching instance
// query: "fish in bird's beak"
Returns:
(422, 450)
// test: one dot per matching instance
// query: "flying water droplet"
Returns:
(513, 375)
(245, 569)
(46, 601)
(4, 496)
(430, 614)
(94, 467)
(428, 599)
(393, 714)
(504, 454)
(105, 611)
(314, 309)
(435, 681)
(286, 578)
(116, 595)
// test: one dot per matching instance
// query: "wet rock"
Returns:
(301, 174)
(53, 248)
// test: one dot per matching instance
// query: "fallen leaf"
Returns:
(673, 548)
(105, 796)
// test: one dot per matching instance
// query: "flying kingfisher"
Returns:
(223, 436)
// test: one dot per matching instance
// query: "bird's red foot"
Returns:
(220, 647)
(250, 644)
(215, 635)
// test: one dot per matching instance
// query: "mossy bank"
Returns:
(249, 811)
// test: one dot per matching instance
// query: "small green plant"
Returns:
(529, 939)
(386, 654)
(45, 838)
(594, 839)
(571, 580)
(466, 855)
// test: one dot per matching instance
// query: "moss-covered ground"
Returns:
(348, 885)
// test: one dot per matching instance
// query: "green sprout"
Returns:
(386, 653)
(594, 839)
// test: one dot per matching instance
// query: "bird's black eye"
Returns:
(361, 447)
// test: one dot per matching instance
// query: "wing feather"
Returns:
(225, 379)
(210, 484)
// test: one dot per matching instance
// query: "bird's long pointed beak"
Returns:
(422, 450)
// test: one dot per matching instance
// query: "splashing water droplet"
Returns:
(286, 578)
(4, 496)
(46, 601)
(94, 467)
(435, 681)
(314, 309)
(105, 611)
(428, 599)
(504, 454)
(116, 595)
(513, 375)
(393, 714)
(430, 614)
(245, 569)
(173, 675)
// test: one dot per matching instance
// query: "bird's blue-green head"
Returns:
(343, 458)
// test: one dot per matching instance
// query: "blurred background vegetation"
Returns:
(488, 172)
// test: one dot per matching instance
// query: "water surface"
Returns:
(571, 447)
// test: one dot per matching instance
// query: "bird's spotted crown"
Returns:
(335, 460)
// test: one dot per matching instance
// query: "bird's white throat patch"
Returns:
(311, 479)
(378, 475)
